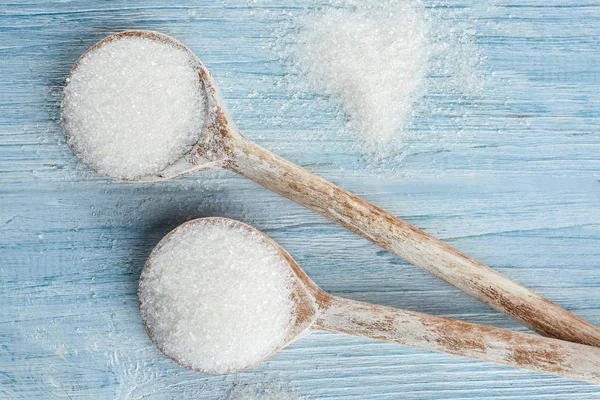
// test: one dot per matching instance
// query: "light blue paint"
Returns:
(518, 189)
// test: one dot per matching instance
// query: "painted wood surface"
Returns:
(511, 177)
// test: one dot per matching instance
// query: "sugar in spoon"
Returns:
(187, 319)
(221, 145)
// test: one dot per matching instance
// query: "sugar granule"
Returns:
(384, 62)
(372, 60)
(133, 106)
(263, 392)
(216, 296)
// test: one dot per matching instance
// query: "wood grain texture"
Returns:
(465, 339)
(511, 178)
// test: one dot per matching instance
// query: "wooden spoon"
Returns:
(317, 310)
(222, 145)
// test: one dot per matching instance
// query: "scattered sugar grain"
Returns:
(216, 297)
(378, 60)
(266, 392)
(372, 60)
(133, 106)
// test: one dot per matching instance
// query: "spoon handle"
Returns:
(410, 243)
(446, 335)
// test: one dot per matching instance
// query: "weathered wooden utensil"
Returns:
(317, 310)
(222, 145)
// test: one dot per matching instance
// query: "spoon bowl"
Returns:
(210, 151)
(304, 293)
(221, 145)
(314, 309)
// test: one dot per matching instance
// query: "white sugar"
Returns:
(216, 297)
(377, 59)
(133, 106)
(372, 60)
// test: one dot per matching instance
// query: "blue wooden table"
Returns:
(511, 177)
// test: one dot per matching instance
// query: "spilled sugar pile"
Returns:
(372, 61)
(216, 296)
(133, 106)
(377, 60)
